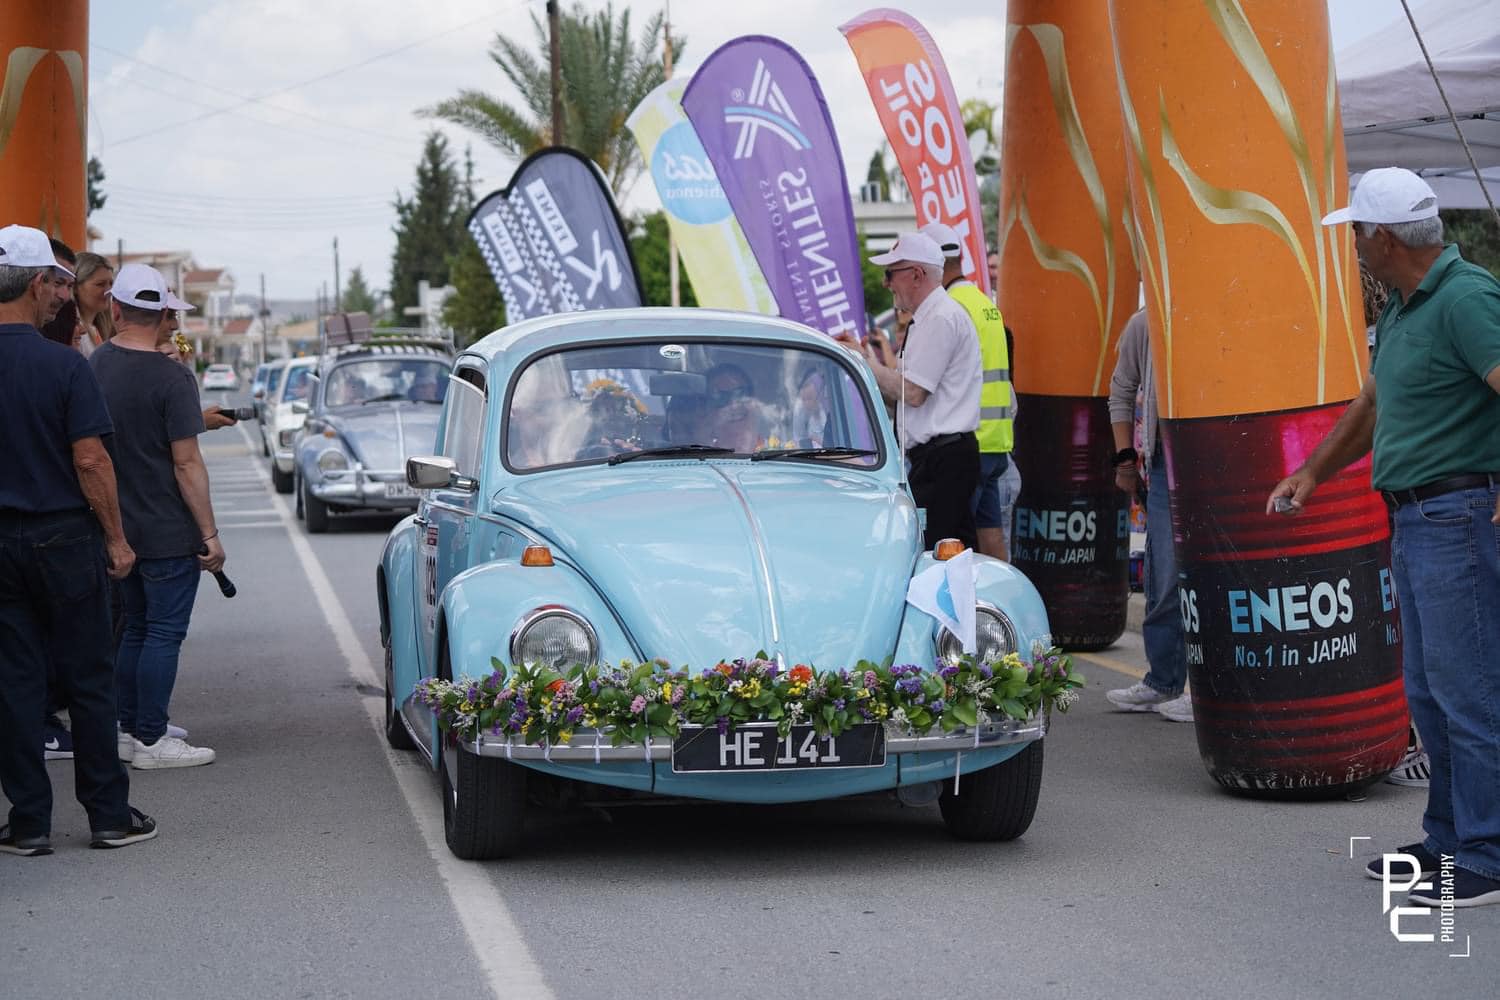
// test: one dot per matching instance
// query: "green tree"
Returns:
(358, 296)
(649, 246)
(605, 74)
(95, 178)
(1477, 236)
(877, 296)
(429, 226)
(878, 174)
(979, 119)
(475, 308)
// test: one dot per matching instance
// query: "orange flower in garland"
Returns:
(724, 668)
(555, 686)
(801, 674)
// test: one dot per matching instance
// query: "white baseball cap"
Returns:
(915, 247)
(144, 287)
(22, 246)
(946, 237)
(1387, 195)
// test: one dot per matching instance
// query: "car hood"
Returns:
(709, 560)
(382, 436)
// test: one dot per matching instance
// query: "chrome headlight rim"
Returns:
(337, 453)
(950, 649)
(537, 614)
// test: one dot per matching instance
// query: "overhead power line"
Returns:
(320, 77)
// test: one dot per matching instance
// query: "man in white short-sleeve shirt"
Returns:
(939, 394)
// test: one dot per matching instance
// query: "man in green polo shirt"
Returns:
(1432, 413)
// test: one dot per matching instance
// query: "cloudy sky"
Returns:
(252, 132)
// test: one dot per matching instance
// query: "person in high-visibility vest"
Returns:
(997, 400)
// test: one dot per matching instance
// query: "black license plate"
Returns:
(760, 748)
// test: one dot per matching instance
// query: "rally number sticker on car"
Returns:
(429, 577)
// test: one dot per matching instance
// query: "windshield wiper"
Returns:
(831, 452)
(382, 399)
(671, 451)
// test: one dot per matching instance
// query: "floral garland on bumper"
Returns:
(541, 705)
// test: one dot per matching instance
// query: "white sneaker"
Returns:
(124, 746)
(1414, 770)
(169, 751)
(1139, 697)
(176, 732)
(1179, 709)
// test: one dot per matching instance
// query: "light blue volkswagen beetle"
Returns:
(690, 486)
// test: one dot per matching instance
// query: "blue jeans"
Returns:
(1161, 629)
(54, 606)
(158, 596)
(1447, 570)
(1009, 489)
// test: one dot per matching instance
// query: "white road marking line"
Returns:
(494, 938)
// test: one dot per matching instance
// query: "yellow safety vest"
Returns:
(997, 401)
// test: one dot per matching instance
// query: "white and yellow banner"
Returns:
(713, 247)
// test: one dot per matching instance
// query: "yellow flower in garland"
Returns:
(880, 710)
(750, 689)
(1011, 660)
(666, 691)
(796, 690)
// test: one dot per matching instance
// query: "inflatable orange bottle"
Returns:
(1067, 286)
(1235, 153)
(43, 117)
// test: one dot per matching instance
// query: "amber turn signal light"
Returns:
(947, 548)
(536, 555)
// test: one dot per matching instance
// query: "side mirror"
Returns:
(434, 472)
(299, 407)
(260, 394)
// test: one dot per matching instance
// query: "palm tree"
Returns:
(604, 76)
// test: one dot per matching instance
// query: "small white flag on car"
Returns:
(946, 592)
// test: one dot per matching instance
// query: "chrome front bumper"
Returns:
(594, 746)
(362, 488)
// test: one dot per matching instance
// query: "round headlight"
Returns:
(553, 637)
(333, 460)
(993, 634)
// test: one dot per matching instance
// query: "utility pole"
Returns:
(672, 277)
(338, 299)
(265, 319)
(119, 254)
(555, 52)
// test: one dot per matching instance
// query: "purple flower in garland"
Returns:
(948, 671)
(909, 685)
(638, 705)
(575, 714)
(938, 706)
(872, 681)
(838, 704)
(985, 671)
(723, 724)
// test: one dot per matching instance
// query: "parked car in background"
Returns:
(286, 417)
(265, 403)
(220, 377)
(375, 404)
(258, 385)
(717, 502)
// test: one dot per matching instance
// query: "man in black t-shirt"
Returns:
(53, 597)
(165, 506)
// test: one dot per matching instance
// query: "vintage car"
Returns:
(265, 402)
(717, 492)
(221, 377)
(285, 415)
(374, 404)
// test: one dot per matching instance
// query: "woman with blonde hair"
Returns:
(94, 278)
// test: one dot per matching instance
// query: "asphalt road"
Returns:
(308, 860)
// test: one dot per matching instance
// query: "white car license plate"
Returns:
(399, 491)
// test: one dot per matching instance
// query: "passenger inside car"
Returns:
(732, 418)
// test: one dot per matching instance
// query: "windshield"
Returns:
(593, 403)
(409, 379)
(298, 384)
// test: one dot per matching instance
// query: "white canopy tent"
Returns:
(1392, 111)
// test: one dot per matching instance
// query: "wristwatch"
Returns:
(1125, 455)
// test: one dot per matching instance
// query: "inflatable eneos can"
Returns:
(1235, 153)
(1067, 286)
(43, 117)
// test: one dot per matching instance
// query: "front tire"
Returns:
(395, 730)
(484, 798)
(997, 803)
(281, 480)
(314, 511)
